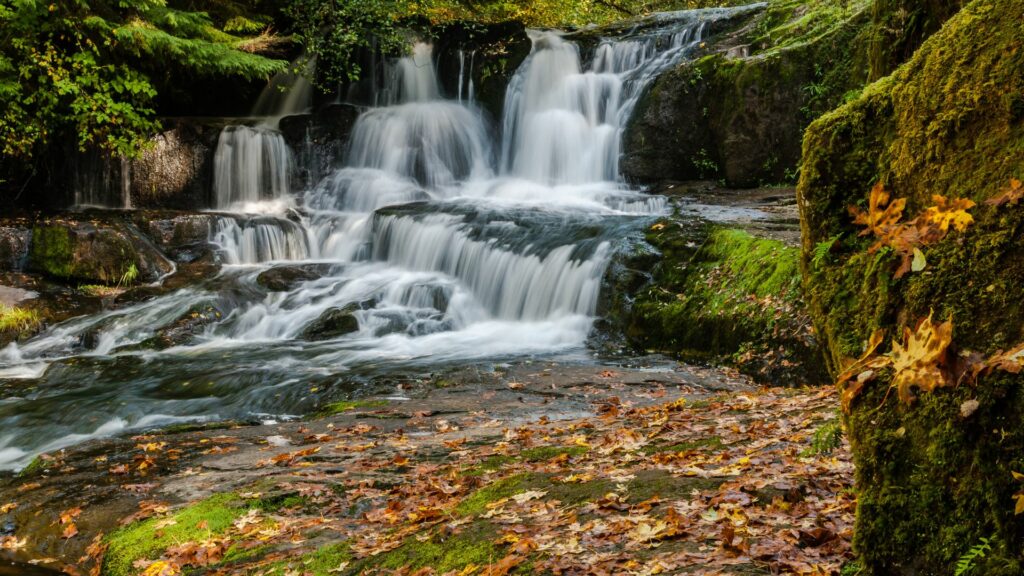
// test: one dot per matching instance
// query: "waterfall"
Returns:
(254, 163)
(251, 164)
(288, 92)
(563, 123)
(412, 78)
(437, 241)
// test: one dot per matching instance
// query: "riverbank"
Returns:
(543, 468)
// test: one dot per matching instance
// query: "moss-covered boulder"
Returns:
(103, 252)
(936, 476)
(735, 298)
(737, 112)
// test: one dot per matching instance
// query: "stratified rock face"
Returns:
(932, 478)
(97, 252)
(177, 172)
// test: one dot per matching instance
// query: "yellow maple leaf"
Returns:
(882, 214)
(948, 213)
(919, 360)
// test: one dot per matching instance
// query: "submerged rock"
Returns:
(936, 476)
(286, 278)
(332, 323)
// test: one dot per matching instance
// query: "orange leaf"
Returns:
(881, 215)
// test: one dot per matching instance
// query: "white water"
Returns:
(446, 243)
(253, 164)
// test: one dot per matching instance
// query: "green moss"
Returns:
(343, 406)
(708, 443)
(489, 464)
(326, 560)
(473, 545)
(143, 540)
(651, 483)
(34, 467)
(931, 482)
(567, 493)
(736, 293)
(51, 251)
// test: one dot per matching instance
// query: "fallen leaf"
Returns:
(920, 358)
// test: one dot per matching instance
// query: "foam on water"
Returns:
(444, 243)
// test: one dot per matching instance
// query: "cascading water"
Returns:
(253, 163)
(437, 243)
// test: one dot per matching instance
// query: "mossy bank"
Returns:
(933, 479)
(722, 294)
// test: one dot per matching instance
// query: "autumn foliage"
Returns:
(883, 220)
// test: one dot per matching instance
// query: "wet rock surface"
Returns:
(285, 278)
(333, 323)
(199, 461)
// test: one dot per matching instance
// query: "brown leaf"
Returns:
(1010, 196)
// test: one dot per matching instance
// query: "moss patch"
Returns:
(144, 541)
(542, 453)
(737, 298)
(474, 544)
(350, 405)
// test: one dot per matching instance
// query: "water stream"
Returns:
(445, 243)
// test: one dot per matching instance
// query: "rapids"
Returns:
(446, 242)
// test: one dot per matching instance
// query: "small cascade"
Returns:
(260, 240)
(466, 77)
(513, 285)
(289, 92)
(251, 164)
(434, 144)
(563, 124)
(101, 182)
(412, 78)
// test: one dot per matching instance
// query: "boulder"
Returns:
(14, 243)
(737, 112)
(332, 323)
(182, 330)
(183, 237)
(286, 278)
(104, 252)
(935, 475)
